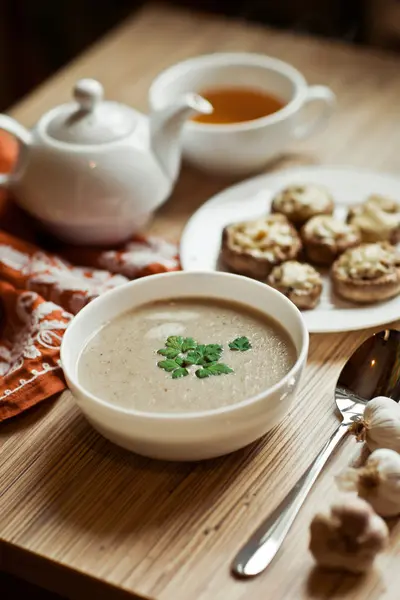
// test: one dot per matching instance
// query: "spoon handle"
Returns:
(259, 551)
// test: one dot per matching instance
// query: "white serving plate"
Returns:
(200, 243)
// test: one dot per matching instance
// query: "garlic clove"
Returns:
(348, 537)
(378, 481)
(380, 424)
(353, 517)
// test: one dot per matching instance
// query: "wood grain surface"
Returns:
(89, 520)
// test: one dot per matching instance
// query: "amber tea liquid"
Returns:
(238, 104)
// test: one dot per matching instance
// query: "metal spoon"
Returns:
(373, 370)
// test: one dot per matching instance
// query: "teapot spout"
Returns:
(165, 130)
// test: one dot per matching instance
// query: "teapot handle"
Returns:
(23, 137)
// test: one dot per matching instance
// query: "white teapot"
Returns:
(93, 171)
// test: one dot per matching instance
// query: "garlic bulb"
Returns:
(348, 537)
(378, 482)
(380, 425)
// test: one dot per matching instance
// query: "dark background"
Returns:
(37, 37)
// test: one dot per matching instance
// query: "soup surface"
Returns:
(120, 363)
(238, 104)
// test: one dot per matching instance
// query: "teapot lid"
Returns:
(90, 119)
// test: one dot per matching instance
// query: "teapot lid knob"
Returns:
(88, 93)
(90, 119)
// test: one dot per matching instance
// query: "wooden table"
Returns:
(89, 520)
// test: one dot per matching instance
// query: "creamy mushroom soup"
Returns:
(185, 355)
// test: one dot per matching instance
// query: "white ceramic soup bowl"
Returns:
(191, 435)
(242, 148)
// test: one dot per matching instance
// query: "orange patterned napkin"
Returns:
(31, 332)
(39, 294)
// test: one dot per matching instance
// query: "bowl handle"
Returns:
(325, 101)
(23, 137)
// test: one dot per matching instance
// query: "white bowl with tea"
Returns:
(186, 366)
(260, 106)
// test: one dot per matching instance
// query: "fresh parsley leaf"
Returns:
(204, 354)
(174, 341)
(168, 365)
(202, 373)
(240, 344)
(182, 352)
(202, 362)
(213, 348)
(189, 344)
(179, 373)
(213, 369)
(194, 357)
(168, 352)
(212, 353)
(211, 357)
(219, 369)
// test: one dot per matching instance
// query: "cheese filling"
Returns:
(369, 261)
(378, 215)
(299, 197)
(263, 238)
(293, 274)
(330, 230)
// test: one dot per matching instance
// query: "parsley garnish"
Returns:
(182, 353)
(188, 344)
(240, 344)
(204, 353)
(194, 357)
(174, 341)
(181, 372)
(215, 368)
(168, 352)
(168, 365)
